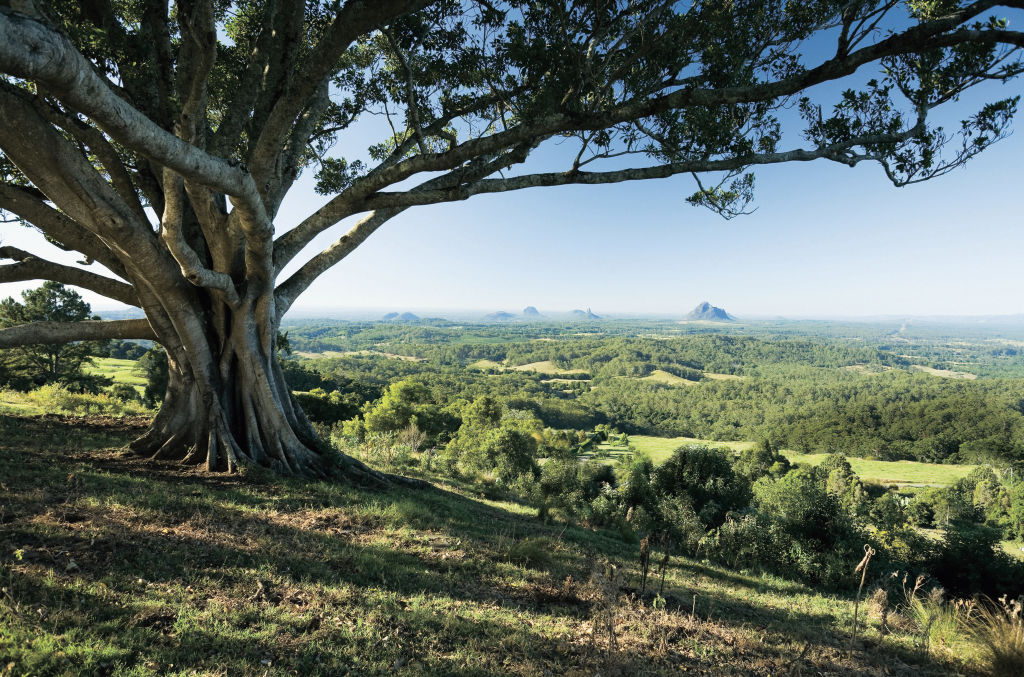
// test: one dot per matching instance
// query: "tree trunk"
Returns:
(227, 404)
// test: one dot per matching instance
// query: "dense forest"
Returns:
(858, 391)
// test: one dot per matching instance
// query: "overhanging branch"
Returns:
(932, 34)
(31, 267)
(28, 204)
(68, 332)
(837, 153)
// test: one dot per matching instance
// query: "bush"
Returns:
(56, 398)
(705, 475)
(815, 539)
(970, 561)
(124, 392)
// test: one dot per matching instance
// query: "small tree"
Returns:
(39, 364)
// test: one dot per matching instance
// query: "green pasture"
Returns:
(878, 472)
(894, 472)
(664, 377)
(122, 371)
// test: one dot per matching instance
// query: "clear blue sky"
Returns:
(826, 240)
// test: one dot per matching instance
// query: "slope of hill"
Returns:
(403, 317)
(112, 565)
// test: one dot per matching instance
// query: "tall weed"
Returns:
(999, 628)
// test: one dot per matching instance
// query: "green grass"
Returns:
(878, 472)
(112, 565)
(55, 399)
(1014, 549)
(122, 371)
(658, 448)
(486, 364)
(894, 472)
(661, 376)
(546, 367)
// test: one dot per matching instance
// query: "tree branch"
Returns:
(292, 242)
(98, 144)
(238, 110)
(356, 18)
(28, 204)
(192, 267)
(31, 50)
(836, 152)
(67, 332)
(921, 37)
(412, 111)
(31, 267)
(291, 288)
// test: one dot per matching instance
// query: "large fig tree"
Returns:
(158, 140)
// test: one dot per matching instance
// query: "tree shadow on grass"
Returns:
(128, 566)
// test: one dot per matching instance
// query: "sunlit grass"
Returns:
(112, 565)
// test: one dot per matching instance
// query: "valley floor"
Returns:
(113, 565)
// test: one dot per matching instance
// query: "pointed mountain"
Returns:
(709, 313)
(530, 311)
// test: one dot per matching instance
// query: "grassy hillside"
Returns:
(112, 565)
(122, 371)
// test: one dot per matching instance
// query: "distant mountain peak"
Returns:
(404, 317)
(530, 311)
(585, 314)
(707, 312)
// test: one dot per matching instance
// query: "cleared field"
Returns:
(486, 364)
(894, 472)
(658, 448)
(868, 368)
(944, 373)
(545, 367)
(122, 371)
(898, 473)
(722, 377)
(340, 353)
(1014, 549)
(659, 376)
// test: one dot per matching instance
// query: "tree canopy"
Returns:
(159, 140)
(34, 365)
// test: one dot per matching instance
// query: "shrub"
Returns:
(56, 398)
(970, 561)
(815, 538)
(124, 393)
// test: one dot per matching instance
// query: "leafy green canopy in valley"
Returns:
(809, 387)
